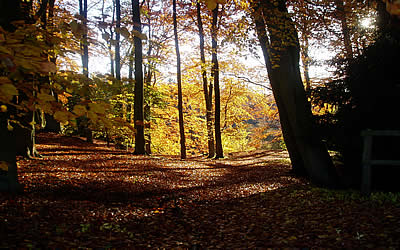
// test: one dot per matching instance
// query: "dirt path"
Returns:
(84, 195)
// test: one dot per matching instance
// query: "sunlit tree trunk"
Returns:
(148, 74)
(138, 102)
(179, 79)
(281, 52)
(215, 73)
(207, 89)
(305, 58)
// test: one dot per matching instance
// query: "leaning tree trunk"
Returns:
(207, 89)
(281, 49)
(139, 89)
(215, 73)
(10, 11)
(179, 78)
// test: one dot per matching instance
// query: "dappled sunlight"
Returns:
(246, 199)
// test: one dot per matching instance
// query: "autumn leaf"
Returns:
(3, 108)
(139, 35)
(97, 107)
(79, 110)
(45, 97)
(47, 67)
(7, 91)
(62, 116)
(125, 32)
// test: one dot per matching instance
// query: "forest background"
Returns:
(45, 49)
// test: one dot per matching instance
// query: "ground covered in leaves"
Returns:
(93, 196)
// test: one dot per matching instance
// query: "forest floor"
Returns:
(94, 196)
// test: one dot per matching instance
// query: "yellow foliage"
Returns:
(7, 91)
(45, 97)
(97, 107)
(62, 116)
(79, 110)
(9, 127)
(3, 108)
(92, 116)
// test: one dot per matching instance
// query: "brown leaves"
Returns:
(88, 195)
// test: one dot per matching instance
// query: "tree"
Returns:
(83, 122)
(117, 40)
(138, 103)
(278, 39)
(179, 79)
(9, 11)
(84, 41)
(215, 73)
(207, 88)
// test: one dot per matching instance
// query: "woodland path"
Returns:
(93, 196)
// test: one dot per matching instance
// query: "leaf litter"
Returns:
(94, 196)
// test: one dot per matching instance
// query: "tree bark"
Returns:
(207, 89)
(305, 58)
(117, 40)
(9, 11)
(219, 153)
(87, 132)
(138, 101)
(281, 52)
(341, 10)
(84, 40)
(179, 79)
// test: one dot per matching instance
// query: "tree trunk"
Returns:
(87, 132)
(281, 52)
(215, 73)
(51, 124)
(207, 89)
(179, 79)
(138, 101)
(84, 41)
(117, 40)
(305, 58)
(9, 11)
(340, 7)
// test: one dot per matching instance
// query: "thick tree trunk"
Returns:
(215, 73)
(9, 11)
(281, 52)
(8, 147)
(139, 101)
(207, 89)
(179, 79)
